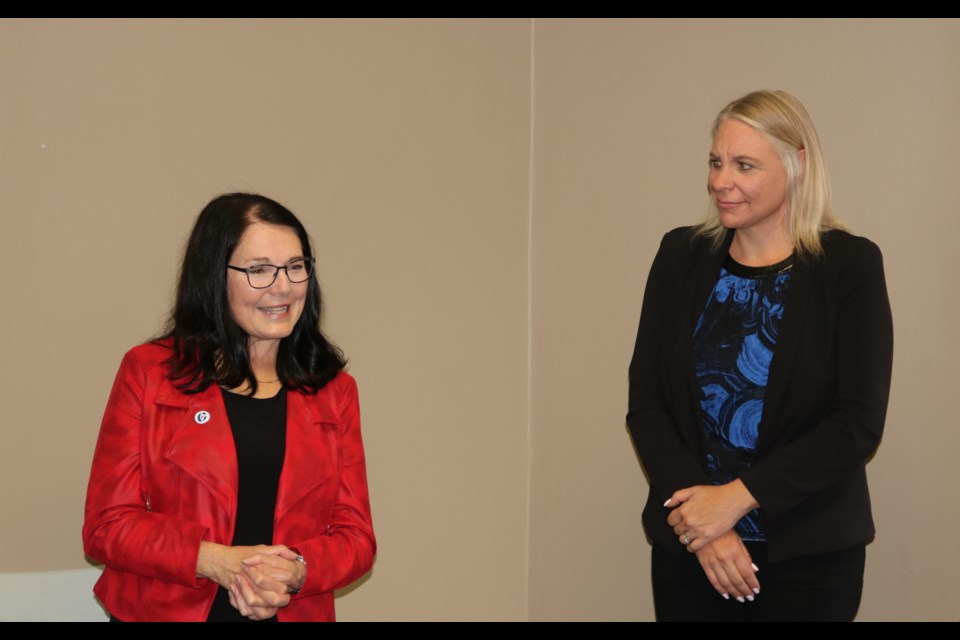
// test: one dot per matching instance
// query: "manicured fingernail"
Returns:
(756, 590)
(667, 503)
(750, 598)
(740, 599)
(726, 596)
(755, 567)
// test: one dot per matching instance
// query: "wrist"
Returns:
(301, 571)
(205, 558)
(745, 499)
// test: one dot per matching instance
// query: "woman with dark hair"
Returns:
(759, 384)
(229, 481)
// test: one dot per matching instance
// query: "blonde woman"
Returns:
(759, 384)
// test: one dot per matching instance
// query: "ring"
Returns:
(685, 539)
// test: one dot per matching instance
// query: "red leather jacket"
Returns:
(164, 479)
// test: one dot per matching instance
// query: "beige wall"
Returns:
(621, 121)
(405, 148)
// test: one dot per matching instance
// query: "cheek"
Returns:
(777, 192)
(301, 304)
(233, 298)
(760, 190)
(239, 300)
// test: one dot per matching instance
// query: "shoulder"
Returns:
(342, 383)
(336, 397)
(685, 240)
(149, 355)
(842, 245)
(850, 257)
(680, 248)
(851, 265)
(679, 238)
(146, 369)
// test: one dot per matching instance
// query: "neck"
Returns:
(265, 388)
(263, 364)
(263, 358)
(760, 250)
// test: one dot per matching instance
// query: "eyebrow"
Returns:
(714, 156)
(264, 259)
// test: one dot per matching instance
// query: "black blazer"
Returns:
(825, 403)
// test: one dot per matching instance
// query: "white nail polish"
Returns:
(755, 567)
(750, 598)
(740, 599)
(756, 590)
(667, 503)
(726, 596)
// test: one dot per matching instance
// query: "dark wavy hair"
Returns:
(208, 345)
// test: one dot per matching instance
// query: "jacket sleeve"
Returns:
(119, 529)
(668, 460)
(849, 432)
(346, 550)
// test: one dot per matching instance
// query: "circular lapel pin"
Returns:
(200, 417)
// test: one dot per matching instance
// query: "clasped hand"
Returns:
(703, 517)
(259, 578)
(702, 513)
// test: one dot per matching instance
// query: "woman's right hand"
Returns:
(729, 567)
(243, 596)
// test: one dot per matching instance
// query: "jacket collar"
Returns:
(203, 446)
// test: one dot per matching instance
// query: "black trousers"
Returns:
(824, 587)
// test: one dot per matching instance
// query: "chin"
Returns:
(728, 224)
(273, 335)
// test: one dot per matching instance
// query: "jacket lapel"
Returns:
(794, 315)
(312, 451)
(705, 274)
(203, 443)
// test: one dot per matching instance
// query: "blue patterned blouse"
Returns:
(732, 349)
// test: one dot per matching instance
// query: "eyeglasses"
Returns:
(262, 276)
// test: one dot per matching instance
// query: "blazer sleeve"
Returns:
(346, 549)
(119, 530)
(849, 431)
(667, 458)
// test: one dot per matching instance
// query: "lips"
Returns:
(723, 204)
(275, 311)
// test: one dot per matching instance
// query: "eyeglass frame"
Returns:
(276, 271)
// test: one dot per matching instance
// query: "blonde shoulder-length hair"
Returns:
(786, 123)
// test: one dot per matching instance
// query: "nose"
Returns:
(282, 282)
(720, 179)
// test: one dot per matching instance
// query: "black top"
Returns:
(259, 428)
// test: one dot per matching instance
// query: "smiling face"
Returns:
(266, 315)
(747, 180)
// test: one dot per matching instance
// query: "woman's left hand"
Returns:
(702, 513)
(266, 583)
(281, 572)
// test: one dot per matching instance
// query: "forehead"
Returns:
(738, 138)
(272, 241)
